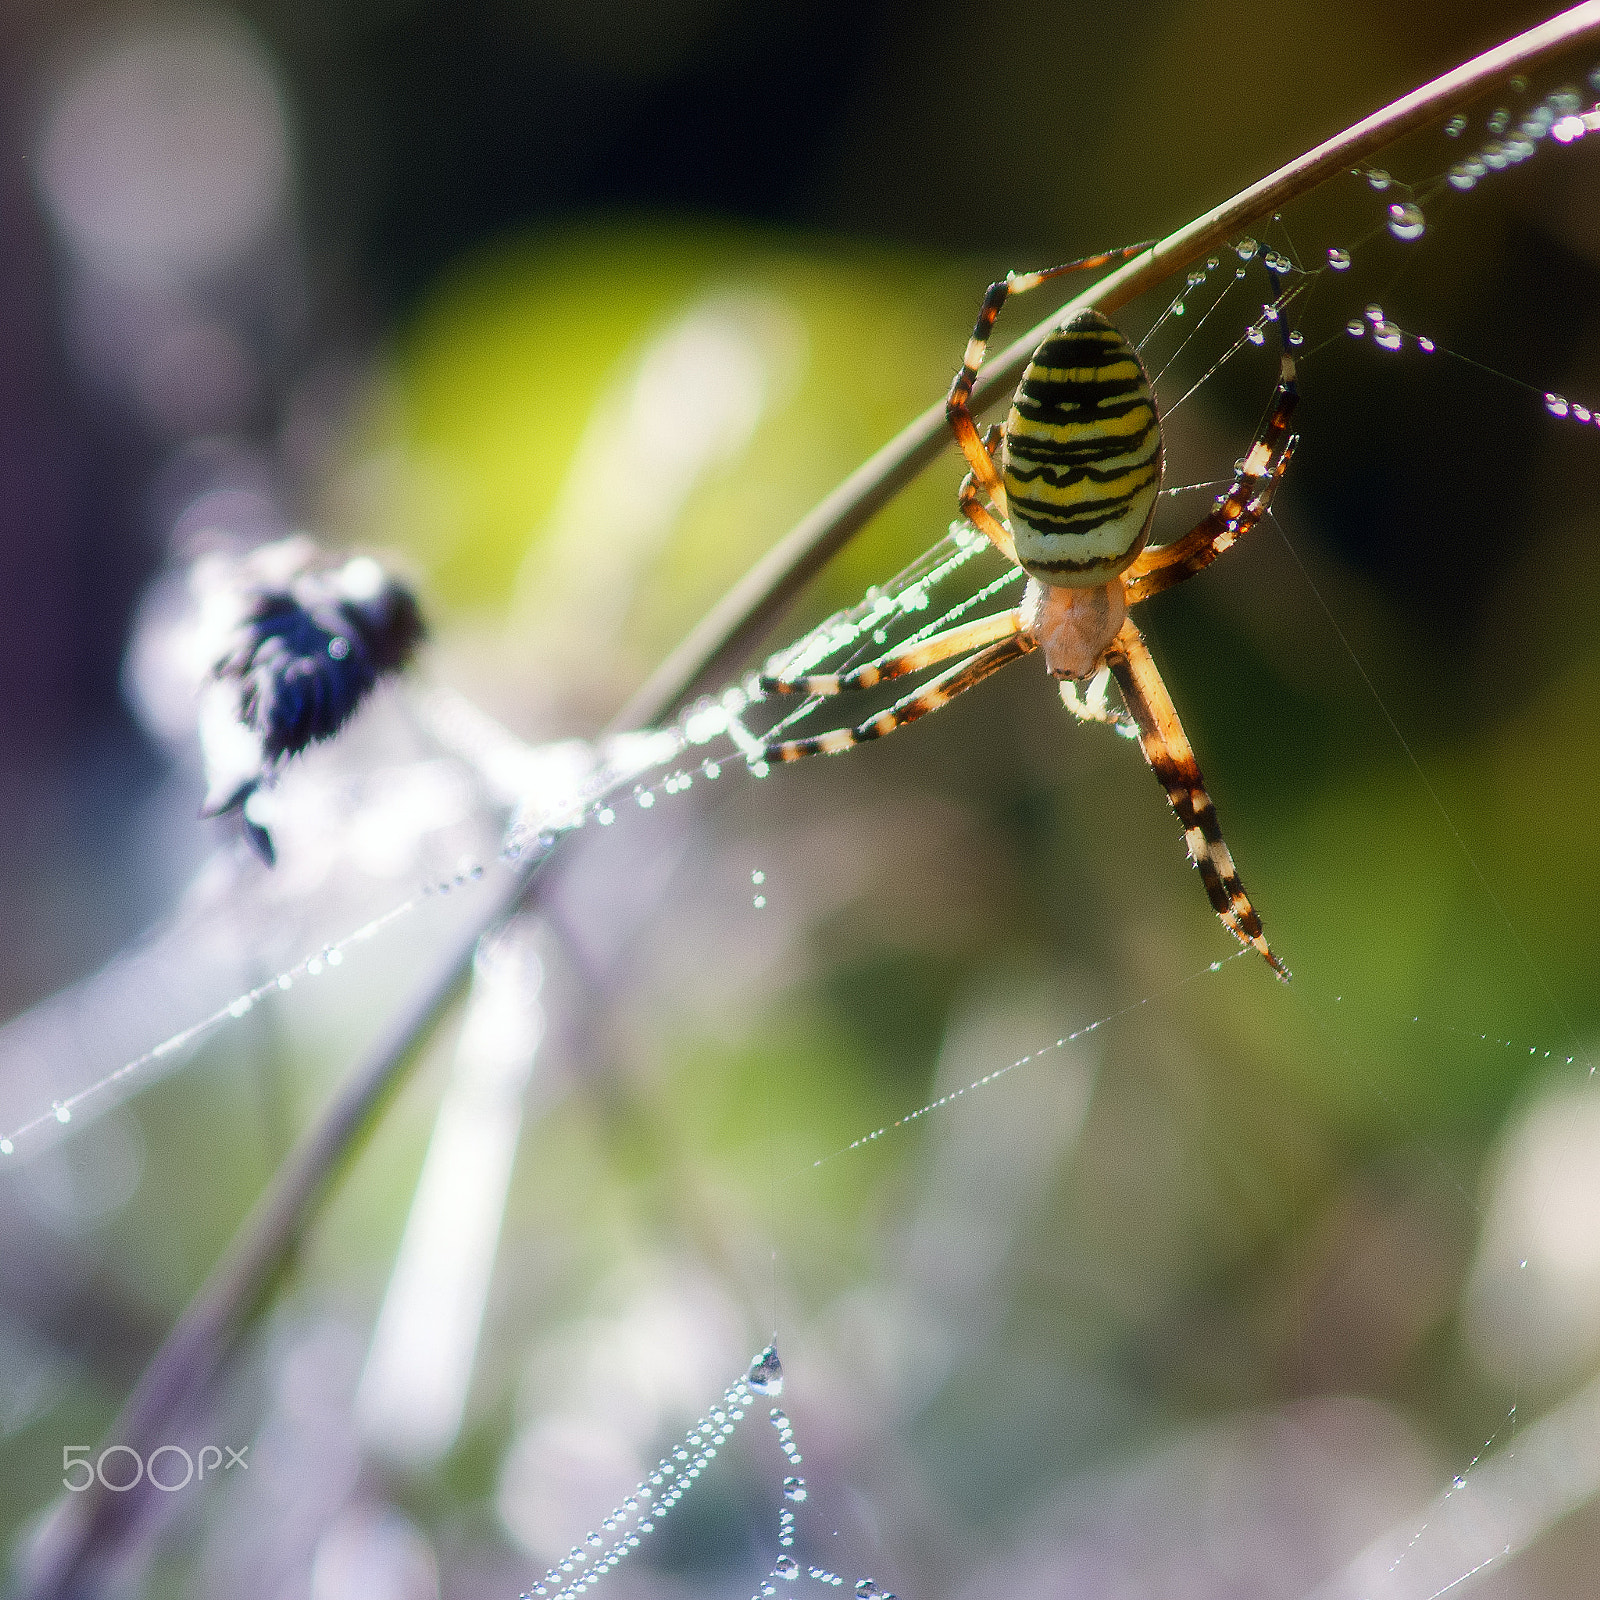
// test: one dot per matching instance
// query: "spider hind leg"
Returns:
(930, 697)
(1167, 749)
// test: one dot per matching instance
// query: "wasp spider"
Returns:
(1066, 489)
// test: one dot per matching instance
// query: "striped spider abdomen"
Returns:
(1082, 456)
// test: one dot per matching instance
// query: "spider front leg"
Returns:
(957, 409)
(1167, 749)
(1237, 511)
(930, 697)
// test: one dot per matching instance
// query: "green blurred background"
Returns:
(573, 311)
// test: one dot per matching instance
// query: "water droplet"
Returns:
(759, 769)
(1338, 259)
(786, 1567)
(7, 1148)
(646, 799)
(1355, 327)
(1212, 263)
(1276, 261)
(1582, 413)
(1462, 176)
(1499, 121)
(1378, 178)
(593, 1540)
(1238, 272)
(240, 1006)
(1246, 248)
(606, 816)
(759, 901)
(713, 770)
(1297, 338)
(766, 1372)
(1177, 308)
(1255, 336)
(1568, 129)
(1519, 84)
(647, 1526)
(1406, 220)
(1455, 127)
(1426, 346)
(1496, 154)
(286, 981)
(1555, 405)
(758, 877)
(1387, 336)
(63, 1113)
(866, 1589)
(794, 1489)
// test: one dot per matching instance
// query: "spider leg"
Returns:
(1237, 511)
(940, 691)
(956, 641)
(1167, 749)
(957, 409)
(984, 520)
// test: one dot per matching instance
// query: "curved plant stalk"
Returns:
(94, 1527)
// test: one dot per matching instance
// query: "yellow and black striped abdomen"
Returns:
(1082, 456)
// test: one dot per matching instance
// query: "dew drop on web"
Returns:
(1406, 221)
(766, 1373)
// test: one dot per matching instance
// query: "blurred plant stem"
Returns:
(92, 1529)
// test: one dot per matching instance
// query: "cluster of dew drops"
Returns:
(1560, 117)
(653, 1500)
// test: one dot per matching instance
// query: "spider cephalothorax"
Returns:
(1066, 489)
